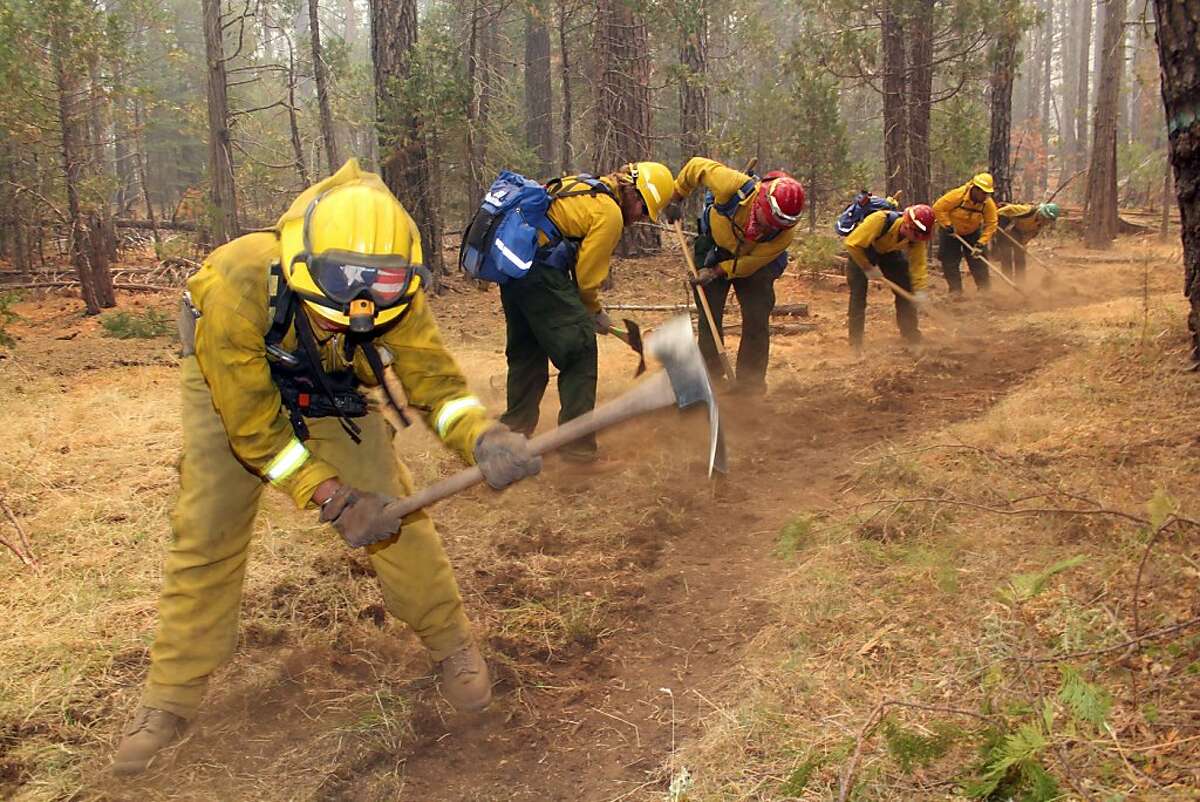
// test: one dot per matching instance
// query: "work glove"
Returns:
(358, 516)
(603, 322)
(672, 213)
(503, 457)
(921, 297)
(977, 251)
(873, 272)
(705, 276)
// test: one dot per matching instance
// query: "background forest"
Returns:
(169, 115)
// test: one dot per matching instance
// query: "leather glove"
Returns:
(673, 212)
(873, 272)
(977, 251)
(603, 322)
(503, 457)
(921, 297)
(358, 516)
(705, 276)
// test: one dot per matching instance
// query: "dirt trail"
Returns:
(611, 735)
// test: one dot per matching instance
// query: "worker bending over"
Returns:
(1019, 224)
(280, 330)
(744, 231)
(889, 245)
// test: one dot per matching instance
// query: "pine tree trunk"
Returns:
(567, 151)
(623, 107)
(1070, 86)
(405, 161)
(1003, 64)
(539, 108)
(1101, 228)
(293, 123)
(1177, 30)
(141, 165)
(1045, 53)
(895, 148)
(480, 78)
(321, 76)
(223, 216)
(693, 89)
(919, 102)
(1083, 100)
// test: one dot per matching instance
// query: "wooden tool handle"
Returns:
(991, 266)
(1027, 252)
(726, 365)
(654, 392)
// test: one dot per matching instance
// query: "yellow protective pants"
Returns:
(211, 527)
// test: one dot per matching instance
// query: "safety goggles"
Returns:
(344, 276)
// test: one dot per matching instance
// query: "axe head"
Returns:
(672, 344)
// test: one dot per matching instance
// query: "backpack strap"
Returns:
(592, 186)
(729, 208)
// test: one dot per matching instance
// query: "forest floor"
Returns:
(921, 574)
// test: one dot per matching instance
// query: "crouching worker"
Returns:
(552, 306)
(889, 245)
(745, 228)
(281, 329)
(1019, 224)
(967, 214)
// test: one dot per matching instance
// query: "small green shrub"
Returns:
(137, 325)
(7, 315)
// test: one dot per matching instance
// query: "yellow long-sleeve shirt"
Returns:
(232, 293)
(724, 183)
(597, 222)
(874, 232)
(1022, 220)
(956, 210)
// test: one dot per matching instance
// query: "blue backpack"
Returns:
(864, 204)
(502, 241)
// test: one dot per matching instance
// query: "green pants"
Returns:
(547, 322)
(211, 527)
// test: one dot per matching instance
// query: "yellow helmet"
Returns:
(984, 181)
(654, 183)
(353, 255)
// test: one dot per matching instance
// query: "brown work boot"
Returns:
(149, 732)
(466, 683)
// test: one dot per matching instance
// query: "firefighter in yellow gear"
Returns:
(969, 212)
(553, 313)
(742, 245)
(279, 331)
(1019, 224)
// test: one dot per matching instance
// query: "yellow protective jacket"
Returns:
(724, 182)
(1022, 220)
(956, 210)
(232, 293)
(597, 222)
(874, 232)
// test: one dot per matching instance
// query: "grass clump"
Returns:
(7, 315)
(137, 325)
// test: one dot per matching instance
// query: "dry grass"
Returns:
(936, 605)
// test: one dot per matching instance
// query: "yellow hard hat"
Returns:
(654, 183)
(984, 181)
(354, 255)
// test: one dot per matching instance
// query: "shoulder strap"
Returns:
(282, 305)
(729, 208)
(593, 186)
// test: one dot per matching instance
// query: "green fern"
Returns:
(1012, 768)
(1086, 701)
(1023, 587)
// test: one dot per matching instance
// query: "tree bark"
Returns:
(480, 81)
(623, 107)
(333, 159)
(223, 216)
(1070, 86)
(1003, 64)
(1177, 30)
(693, 82)
(1082, 103)
(1101, 216)
(895, 149)
(403, 150)
(1045, 66)
(539, 108)
(919, 102)
(293, 123)
(567, 152)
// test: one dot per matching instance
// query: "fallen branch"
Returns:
(25, 553)
(1151, 635)
(49, 285)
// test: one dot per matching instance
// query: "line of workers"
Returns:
(281, 329)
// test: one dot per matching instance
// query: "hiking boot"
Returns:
(148, 733)
(579, 453)
(466, 683)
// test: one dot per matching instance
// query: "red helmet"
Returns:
(918, 222)
(780, 200)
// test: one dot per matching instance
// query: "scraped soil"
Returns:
(674, 572)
